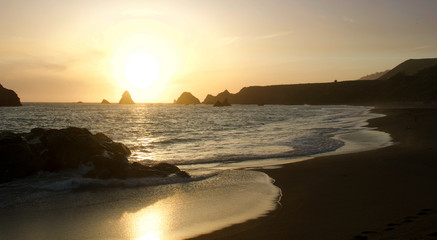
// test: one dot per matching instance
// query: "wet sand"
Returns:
(388, 193)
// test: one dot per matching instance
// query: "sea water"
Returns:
(218, 146)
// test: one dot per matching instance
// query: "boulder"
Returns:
(17, 159)
(126, 98)
(104, 101)
(8, 97)
(60, 149)
(187, 98)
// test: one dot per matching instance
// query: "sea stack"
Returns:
(126, 98)
(187, 98)
(8, 97)
(104, 101)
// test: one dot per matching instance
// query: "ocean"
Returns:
(219, 147)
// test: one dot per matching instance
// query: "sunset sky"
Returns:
(87, 50)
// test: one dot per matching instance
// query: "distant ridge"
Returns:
(410, 67)
(411, 82)
(374, 76)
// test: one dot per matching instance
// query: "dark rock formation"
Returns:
(54, 150)
(220, 97)
(225, 103)
(104, 101)
(8, 97)
(126, 98)
(17, 158)
(401, 88)
(187, 98)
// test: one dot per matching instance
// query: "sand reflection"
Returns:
(147, 224)
(201, 207)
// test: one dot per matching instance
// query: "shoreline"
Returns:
(386, 193)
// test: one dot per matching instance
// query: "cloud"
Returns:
(24, 64)
(228, 40)
(142, 13)
(421, 47)
(274, 35)
(349, 20)
(232, 39)
(192, 77)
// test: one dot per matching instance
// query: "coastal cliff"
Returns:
(404, 85)
(8, 97)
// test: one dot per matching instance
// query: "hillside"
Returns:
(418, 87)
(410, 67)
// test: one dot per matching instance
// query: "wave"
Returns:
(175, 140)
(304, 148)
(45, 184)
(80, 183)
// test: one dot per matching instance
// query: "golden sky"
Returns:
(87, 50)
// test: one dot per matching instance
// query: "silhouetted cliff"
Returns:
(418, 87)
(187, 98)
(8, 97)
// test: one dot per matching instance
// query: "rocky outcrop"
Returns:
(187, 98)
(104, 101)
(126, 98)
(225, 103)
(54, 150)
(220, 97)
(8, 97)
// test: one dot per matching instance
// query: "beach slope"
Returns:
(388, 193)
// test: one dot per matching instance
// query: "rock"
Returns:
(8, 97)
(225, 103)
(17, 158)
(104, 101)
(60, 149)
(220, 97)
(187, 98)
(126, 98)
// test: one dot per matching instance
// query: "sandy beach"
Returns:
(388, 193)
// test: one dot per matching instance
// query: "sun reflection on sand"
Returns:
(201, 206)
(148, 223)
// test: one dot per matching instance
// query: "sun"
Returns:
(144, 56)
(141, 70)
